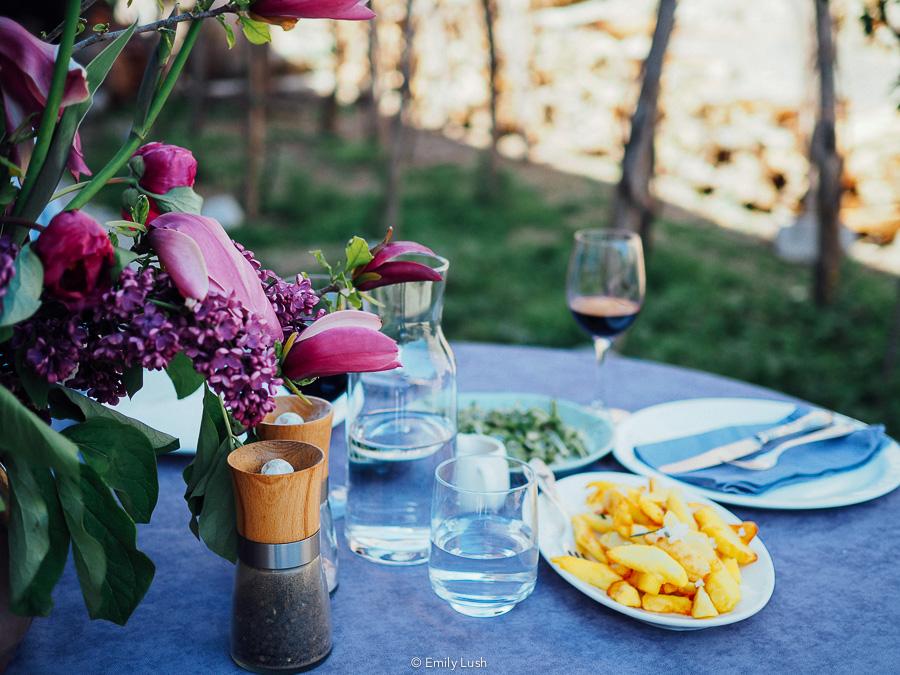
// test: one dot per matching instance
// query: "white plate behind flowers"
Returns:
(757, 579)
(156, 404)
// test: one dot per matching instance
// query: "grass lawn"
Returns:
(716, 300)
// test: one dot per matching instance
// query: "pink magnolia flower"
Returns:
(165, 167)
(285, 13)
(26, 71)
(200, 257)
(384, 269)
(77, 256)
(347, 341)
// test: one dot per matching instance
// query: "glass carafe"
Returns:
(401, 424)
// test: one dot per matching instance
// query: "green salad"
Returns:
(534, 432)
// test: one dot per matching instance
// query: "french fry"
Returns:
(644, 558)
(723, 590)
(613, 539)
(694, 562)
(595, 573)
(703, 607)
(599, 523)
(676, 505)
(732, 566)
(586, 540)
(651, 509)
(729, 543)
(666, 604)
(647, 582)
(624, 593)
(622, 518)
(746, 530)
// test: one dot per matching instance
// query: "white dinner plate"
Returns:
(757, 579)
(157, 406)
(597, 430)
(875, 478)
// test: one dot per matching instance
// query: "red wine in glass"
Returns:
(603, 315)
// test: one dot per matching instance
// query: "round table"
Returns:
(836, 605)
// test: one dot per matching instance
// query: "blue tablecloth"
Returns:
(836, 606)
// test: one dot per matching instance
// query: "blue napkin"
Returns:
(802, 463)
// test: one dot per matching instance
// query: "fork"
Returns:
(770, 459)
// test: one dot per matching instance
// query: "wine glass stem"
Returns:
(602, 346)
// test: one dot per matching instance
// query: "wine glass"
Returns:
(605, 288)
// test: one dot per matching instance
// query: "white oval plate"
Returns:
(757, 579)
(694, 416)
(597, 430)
(157, 405)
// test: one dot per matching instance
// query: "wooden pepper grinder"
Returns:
(317, 414)
(281, 613)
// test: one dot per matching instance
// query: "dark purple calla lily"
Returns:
(285, 13)
(347, 341)
(26, 71)
(214, 254)
(384, 270)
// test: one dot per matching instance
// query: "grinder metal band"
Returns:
(278, 556)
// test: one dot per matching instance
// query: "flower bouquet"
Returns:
(87, 307)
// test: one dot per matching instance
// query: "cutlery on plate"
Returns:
(547, 482)
(770, 459)
(812, 421)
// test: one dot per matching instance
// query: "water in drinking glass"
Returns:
(483, 565)
(483, 558)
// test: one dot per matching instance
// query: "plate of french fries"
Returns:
(655, 552)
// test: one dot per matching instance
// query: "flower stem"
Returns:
(137, 136)
(54, 100)
(78, 186)
(169, 22)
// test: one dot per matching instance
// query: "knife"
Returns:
(817, 419)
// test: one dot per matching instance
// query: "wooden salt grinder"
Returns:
(317, 430)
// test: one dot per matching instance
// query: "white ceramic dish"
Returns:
(156, 405)
(597, 430)
(757, 582)
(693, 416)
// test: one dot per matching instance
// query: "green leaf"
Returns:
(23, 294)
(67, 404)
(38, 538)
(209, 493)
(133, 379)
(35, 386)
(127, 572)
(61, 145)
(33, 439)
(141, 208)
(123, 457)
(5, 333)
(14, 169)
(127, 228)
(185, 379)
(256, 32)
(320, 258)
(124, 258)
(229, 33)
(179, 199)
(358, 254)
(152, 73)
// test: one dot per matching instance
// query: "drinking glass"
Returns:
(605, 288)
(484, 554)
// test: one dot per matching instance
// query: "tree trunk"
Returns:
(893, 341)
(257, 90)
(828, 165)
(489, 17)
(633, 206)
(370, 97)
(328, 113)
(393, 187)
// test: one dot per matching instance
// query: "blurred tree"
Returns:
(370, 96)
(328, 112)
(489, 17)
(633, 205)
(398, 136)
(827, 164)
(257, 93)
